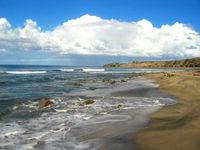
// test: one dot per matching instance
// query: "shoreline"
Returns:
(174, 127)
(111, 136)
(120, 136)
(104, 118)
(119, 111)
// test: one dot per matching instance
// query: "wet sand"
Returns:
(118, 135)
(142, 92)
(175, 127)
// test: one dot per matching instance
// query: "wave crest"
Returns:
(26, 72)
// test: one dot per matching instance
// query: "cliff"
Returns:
(194, 62)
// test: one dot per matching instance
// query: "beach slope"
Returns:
(175, 127)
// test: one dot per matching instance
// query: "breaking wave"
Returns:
(82, 70)
(25, 72)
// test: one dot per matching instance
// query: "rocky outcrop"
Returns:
(122, 80)
(77, 84)
(194, 62)
(44, 103)
(109, 81)
(85, 102)
(196, 73)
(169, 74)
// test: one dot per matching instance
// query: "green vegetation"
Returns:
(113, 65)
(194, 62)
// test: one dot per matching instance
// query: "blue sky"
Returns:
(49, 14)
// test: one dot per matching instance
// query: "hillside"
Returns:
(194, 62)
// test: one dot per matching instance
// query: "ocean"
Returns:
(122, 103)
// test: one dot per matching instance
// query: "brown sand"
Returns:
(174, 127)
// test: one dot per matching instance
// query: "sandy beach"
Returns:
(175, 127)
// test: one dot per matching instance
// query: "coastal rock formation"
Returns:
(122, 80)
(168, 74)
(194, 62)
(196, 73)
(109, 81)
(44, 103)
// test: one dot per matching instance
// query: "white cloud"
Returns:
(4, 24)
(93, 35)
(2, 50)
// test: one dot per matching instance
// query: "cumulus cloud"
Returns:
(92, 35)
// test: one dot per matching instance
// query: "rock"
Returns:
(80, 103)
(119, 106)
(169, 75)
(123, 81)
(106, 80)
(109, 81)
(196, 74)
(89, 101)
(92, 88)
(132, 75)
(40, 144)
(85, 102)
(44, 103)
(112, 82)
(77, 84)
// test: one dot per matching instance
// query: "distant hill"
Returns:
(193, 62)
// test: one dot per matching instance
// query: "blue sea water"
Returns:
(25, 126)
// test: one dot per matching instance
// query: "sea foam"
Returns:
(67, 70)
(93, 70)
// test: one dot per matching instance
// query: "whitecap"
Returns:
(86, 118)
(93, 70)
(26, 72)
(67, 70)
(61, 110)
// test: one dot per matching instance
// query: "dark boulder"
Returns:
(89, 101)
(77, 84)
(44, 103)
(85, 102)
(123, 80)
